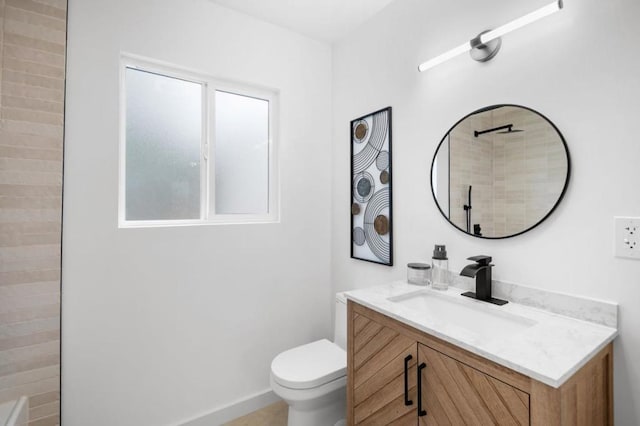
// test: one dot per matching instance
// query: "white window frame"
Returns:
(207, 152)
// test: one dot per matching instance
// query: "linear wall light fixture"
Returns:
(487, 44)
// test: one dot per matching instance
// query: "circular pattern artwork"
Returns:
(371, 216)
(358, 236)
(381, 225)
(384, 177)
(363, 187)
(375, 208)
(360, 131)
(382, 161)
(375, 143)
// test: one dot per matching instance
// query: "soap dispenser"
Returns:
(439, 268)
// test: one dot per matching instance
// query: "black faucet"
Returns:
(482, 272)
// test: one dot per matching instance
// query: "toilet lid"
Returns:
(310, 365)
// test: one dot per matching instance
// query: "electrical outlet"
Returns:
(627, 242)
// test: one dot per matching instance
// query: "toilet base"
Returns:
(321, 406)
(325, 415)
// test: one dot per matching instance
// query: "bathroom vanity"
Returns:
(421, 357)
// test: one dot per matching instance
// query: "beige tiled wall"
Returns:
(529, 171)
(516, 177)
(32, 70)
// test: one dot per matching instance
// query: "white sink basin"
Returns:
(486, 321)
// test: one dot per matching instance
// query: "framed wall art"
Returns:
(371, 207)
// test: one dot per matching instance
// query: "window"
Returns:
(242, 154)
(194, 150)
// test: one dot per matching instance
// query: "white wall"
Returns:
(580, 68)
(164, 324)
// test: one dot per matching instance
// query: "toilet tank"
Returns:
(340, 323)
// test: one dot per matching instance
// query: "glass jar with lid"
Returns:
(419, 273)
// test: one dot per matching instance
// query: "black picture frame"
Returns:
(371, 203)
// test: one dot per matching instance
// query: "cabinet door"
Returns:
(379, 355)
(455, 394)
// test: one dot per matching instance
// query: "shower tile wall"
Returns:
(32, 70)
(528, 171)
(516, 177)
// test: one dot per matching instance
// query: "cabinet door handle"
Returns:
(407, 401)
(421, 411)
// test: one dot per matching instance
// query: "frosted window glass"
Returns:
(241, 154)
(163, 147)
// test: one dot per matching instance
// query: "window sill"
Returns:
(245, 220)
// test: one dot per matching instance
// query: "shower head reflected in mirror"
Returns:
(502, 130)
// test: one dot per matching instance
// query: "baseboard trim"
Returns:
(234, 410)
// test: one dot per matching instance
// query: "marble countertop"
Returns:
(550, 350)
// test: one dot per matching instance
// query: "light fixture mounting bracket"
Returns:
(483, 52)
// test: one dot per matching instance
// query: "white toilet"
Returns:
(312, 378)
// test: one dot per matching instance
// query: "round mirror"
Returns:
(500, 171)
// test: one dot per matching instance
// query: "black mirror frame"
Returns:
(489, 108)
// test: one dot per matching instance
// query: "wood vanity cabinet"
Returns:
(387, 361)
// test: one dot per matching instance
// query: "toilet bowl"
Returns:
(312, 378)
